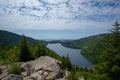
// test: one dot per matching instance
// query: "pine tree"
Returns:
(66, 63)
(69, 65)
(109, 66)
(39, 51)
(25, 54)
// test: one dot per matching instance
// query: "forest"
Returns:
(107, 66)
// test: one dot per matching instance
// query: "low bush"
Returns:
(15, 68)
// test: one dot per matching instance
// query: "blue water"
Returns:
(74, 54)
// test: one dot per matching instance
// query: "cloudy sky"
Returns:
(58, 19)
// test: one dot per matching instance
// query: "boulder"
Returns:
(44, 67)
(3, 76)
(12, 77)
(45, 62)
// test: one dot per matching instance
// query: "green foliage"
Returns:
(109, 65)
(12, 54)
(52, 54)
(9, 55)
(87, 42)
(3, 54)
(79, 72)
(25, 54)
(41, 50)
(15, 68)
(89, 46)
(9, 39)
(73, 76)
(66, 64)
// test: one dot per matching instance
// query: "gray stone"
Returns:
(45, 62)
(24, 73)
(3, 76)
(13, 77)
(44, 68)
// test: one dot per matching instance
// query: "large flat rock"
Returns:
(12, 77)
(44, 67)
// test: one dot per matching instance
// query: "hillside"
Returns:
(89, 46)
(9, 38)
(47, 64)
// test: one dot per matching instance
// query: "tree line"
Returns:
(107, 68)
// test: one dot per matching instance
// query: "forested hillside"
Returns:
(15, 55)
(9, 38)
(89, 46)
(106, 46)
(104, 50)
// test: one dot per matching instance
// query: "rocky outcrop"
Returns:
(11, 77)
(43, 68)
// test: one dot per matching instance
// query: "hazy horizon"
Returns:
(58, 19)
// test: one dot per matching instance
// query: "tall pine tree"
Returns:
(25, 54)
(109, 66)
(39, 51)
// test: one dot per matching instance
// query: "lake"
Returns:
(74, 54)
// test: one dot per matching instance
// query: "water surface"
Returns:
(74, 54)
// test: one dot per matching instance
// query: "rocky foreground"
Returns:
(43, 68)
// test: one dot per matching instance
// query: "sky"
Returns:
(58, 19)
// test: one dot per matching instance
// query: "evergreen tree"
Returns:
(25, 54)
(69, 65)
(39, 51)
(66, 63)
(109, 66)
(43, 50)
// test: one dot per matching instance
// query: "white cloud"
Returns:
(58, 14)
(53, 1)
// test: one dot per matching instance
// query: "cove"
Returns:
(74, 54)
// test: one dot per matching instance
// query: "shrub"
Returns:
(15, 68)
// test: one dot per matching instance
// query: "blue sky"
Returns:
(58, 19)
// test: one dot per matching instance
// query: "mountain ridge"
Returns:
(88, 45)
(8, 38)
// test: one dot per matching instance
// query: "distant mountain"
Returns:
(88, 46)
(8, 38)
(58, 41)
